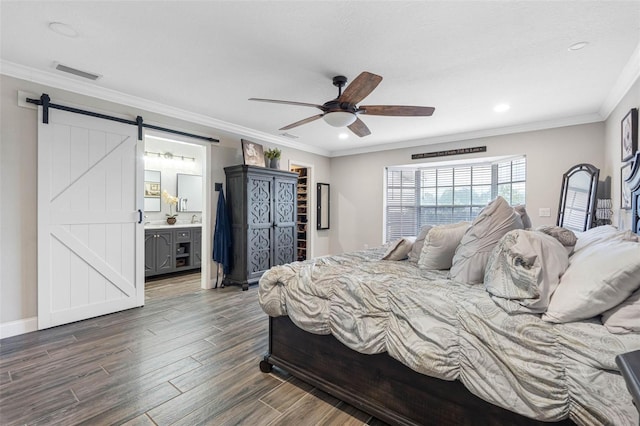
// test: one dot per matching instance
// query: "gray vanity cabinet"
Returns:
(262, 208)
(197, 247)
(172, 250)
(158, 252)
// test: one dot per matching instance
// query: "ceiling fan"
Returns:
(343, 110)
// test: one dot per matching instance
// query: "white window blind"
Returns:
(441, 195)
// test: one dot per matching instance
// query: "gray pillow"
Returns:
(470, 260)
(526, 220)
(440, 245)
(566, 237)
(524, 270)
(399, 249)
(416, 250)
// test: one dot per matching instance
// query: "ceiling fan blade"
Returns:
(275, 101)
(301, 122)
(360, 88)
(396, 110)
(359, 128)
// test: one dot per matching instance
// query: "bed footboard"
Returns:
(378, 384)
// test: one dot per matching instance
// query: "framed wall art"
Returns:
(252, 153)
(629, 134)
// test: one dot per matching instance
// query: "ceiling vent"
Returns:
(288, 135)
(77, 72)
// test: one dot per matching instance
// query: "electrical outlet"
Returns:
(544, 212)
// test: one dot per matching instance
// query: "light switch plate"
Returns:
(544, 212)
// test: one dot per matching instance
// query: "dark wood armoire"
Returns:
(262, 208)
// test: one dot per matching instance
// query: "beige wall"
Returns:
(612, 154)
(357, 181)
(18, 165)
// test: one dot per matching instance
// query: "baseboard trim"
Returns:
(14, 328)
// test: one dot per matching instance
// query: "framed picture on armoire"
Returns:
(252, 153)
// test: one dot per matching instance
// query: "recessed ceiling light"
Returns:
(343, 135)
(63, 29)
(501, 107)
(578, 46)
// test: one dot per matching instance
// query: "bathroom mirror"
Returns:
(152, 191)
(323, 206)
(189, 193)
(578, 197)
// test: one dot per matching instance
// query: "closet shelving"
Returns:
(302, 209)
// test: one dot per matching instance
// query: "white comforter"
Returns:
(455, 331)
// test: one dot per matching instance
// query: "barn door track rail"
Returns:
(45, 102)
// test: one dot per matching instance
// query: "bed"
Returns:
(415, 345)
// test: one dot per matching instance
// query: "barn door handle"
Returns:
(139, 216)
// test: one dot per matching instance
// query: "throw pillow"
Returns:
(470, 259)
(566, 237)
(416, 250)
(524, 271)
(399, 249)
(600, 276)
(440, 245)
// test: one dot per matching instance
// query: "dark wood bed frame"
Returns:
(385, 388)
(378, 384)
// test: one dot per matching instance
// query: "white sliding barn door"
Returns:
(90, 244)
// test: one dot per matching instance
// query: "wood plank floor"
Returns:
(189, 357)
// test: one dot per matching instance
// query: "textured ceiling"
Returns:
(463, 58)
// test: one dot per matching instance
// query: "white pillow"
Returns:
(625, 317)
(524, 270)
(470, 260)
(416, 250)
(594, 236)
(399, 249)
(599, 277)
(440, 245)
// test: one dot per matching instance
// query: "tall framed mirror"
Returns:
(152, 185)
(189, 193)
(323, 206)
(578, 197)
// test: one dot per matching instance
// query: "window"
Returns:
(440, 195)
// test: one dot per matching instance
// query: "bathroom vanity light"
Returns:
(168, 156)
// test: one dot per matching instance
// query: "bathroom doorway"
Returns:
(175, 212)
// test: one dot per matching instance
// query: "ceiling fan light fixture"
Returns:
(339, 118)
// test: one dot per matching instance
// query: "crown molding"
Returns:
(628, 76)
(93, 90)
(476, 134)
